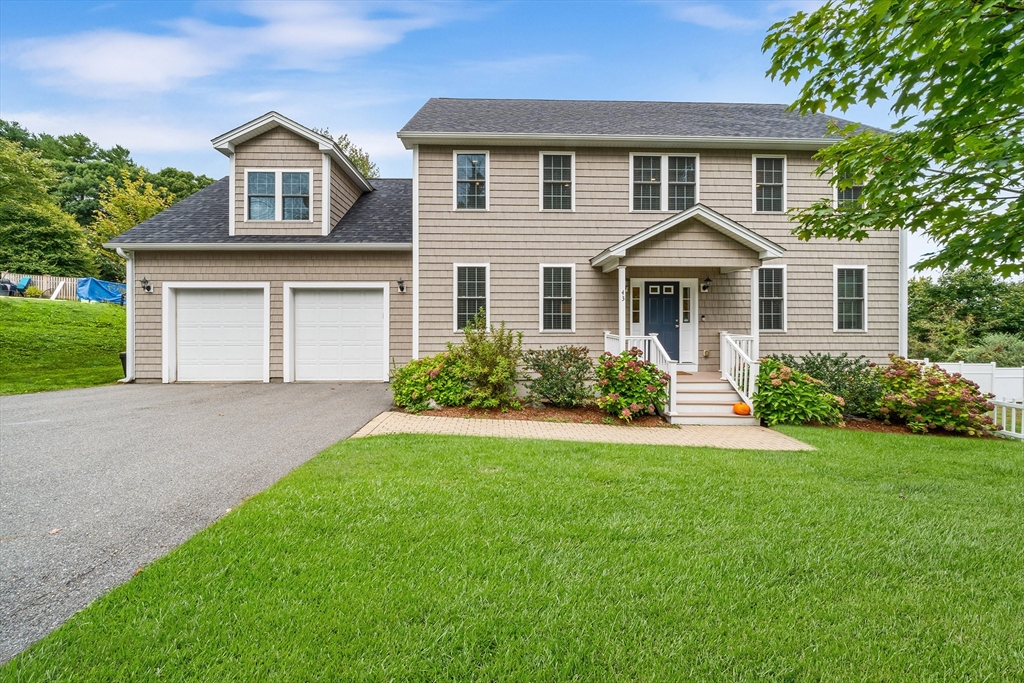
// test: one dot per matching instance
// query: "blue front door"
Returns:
(662, 315)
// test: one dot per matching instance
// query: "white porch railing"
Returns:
(1010, 418)
(739, 365)
(652, 351)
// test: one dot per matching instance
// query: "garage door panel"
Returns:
(220, 335)
(339, 334)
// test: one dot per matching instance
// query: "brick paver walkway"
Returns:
(756, 438)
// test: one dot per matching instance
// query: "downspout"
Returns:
(129, 304)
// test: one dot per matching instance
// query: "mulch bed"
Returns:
(880, 427)
(588, 415)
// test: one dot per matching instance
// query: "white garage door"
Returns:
(220, 334)
(339, 334)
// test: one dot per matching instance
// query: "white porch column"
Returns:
(622, 305)
(755, 323)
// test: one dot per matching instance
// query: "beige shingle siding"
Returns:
(690, 245)
(273, 267)
(514, 237)
(344, 193)
(279, 148)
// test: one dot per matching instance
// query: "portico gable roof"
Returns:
(765, 248)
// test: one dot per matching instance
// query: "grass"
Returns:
(47, 345)
(878, 557)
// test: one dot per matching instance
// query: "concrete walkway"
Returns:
(753, 438)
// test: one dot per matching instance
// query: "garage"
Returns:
(219, 334)
(339, 333)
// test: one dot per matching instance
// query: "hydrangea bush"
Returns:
(629, 385)
(788, 396)
(436, 378)
(926, 397)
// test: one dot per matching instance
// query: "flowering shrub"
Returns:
(435, 378)
(788, 396)
(927, 397)
(564, 375)
(852, 379)
(630, 386)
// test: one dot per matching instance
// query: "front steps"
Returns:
(704, 398)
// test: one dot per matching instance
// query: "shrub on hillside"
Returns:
(852, 379)
(926, 397)
(33, 292)
(1005, 350)
(629, 385)
(435, 378)
(787, 396)
(489, 362)
(564, 375)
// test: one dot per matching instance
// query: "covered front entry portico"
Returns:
(687, 297)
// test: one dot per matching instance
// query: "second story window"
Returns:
(556, 182)
(471, 180)
(682, 183)
(646, 183)
(262, 195)
(848, 196)
(769, 184)
(295, 196)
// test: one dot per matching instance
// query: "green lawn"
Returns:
(46, 345)
(875, 558)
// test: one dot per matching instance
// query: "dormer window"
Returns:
(277, 195)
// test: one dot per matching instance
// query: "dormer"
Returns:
(282, 177)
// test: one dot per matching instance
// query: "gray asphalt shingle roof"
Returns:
(383, 216)
(593, 117)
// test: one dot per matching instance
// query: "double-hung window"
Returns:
(471, 180)
(851, 298)
(771, 299)
(769, 184)
(556, 298)
(848, 196)
(664, 182)
(556, 182)
(470, 292)
(277, 195)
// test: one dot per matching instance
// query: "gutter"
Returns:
(410, 138)
(259, 246)
(129, 303)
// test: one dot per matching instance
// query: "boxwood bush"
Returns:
(563, 375)
(788, 396)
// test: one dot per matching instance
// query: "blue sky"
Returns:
(163, 78)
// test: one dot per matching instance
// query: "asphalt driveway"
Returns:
(96, 482)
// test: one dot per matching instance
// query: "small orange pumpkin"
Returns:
(741, 408)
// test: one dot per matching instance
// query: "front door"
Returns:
(662, 315)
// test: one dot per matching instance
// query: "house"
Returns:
(660, 225)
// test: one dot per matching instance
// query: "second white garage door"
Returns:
(339, 334)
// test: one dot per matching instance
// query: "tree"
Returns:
(35, 235)
(180, 184)
(954, 168)
(359, 158)
(124, 203)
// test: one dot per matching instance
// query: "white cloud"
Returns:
(711, 16)
(288, 35)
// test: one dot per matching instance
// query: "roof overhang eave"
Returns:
(412, 138)
(260, 246)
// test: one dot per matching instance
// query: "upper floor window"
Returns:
(556, 298)
(769, 184)
(848, 196)
(471, 180)
(851, 298)
(470, 292)
(556, 182)
(274, 195)
(664, 182)
(771, 298)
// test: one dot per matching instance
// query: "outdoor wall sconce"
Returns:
(706, 285)
(146, 286)
(401, 285)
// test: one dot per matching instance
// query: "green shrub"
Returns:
(565, 375)
(852, 379)
(629, 385)
(489, 361)
(1005, 350)
(926, 397)
(435, 378)
(33, 292)
(788, 396)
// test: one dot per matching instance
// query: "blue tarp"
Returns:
(91, 289)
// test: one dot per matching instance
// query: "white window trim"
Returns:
(289, 319)
(835, 298)
(455, 292)
(540, 184)
(785, 299)
(835, 195)
(540, 297)
(455, 178)
(753, 183)
(169, 322)
(278, 203)
(664, 180)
